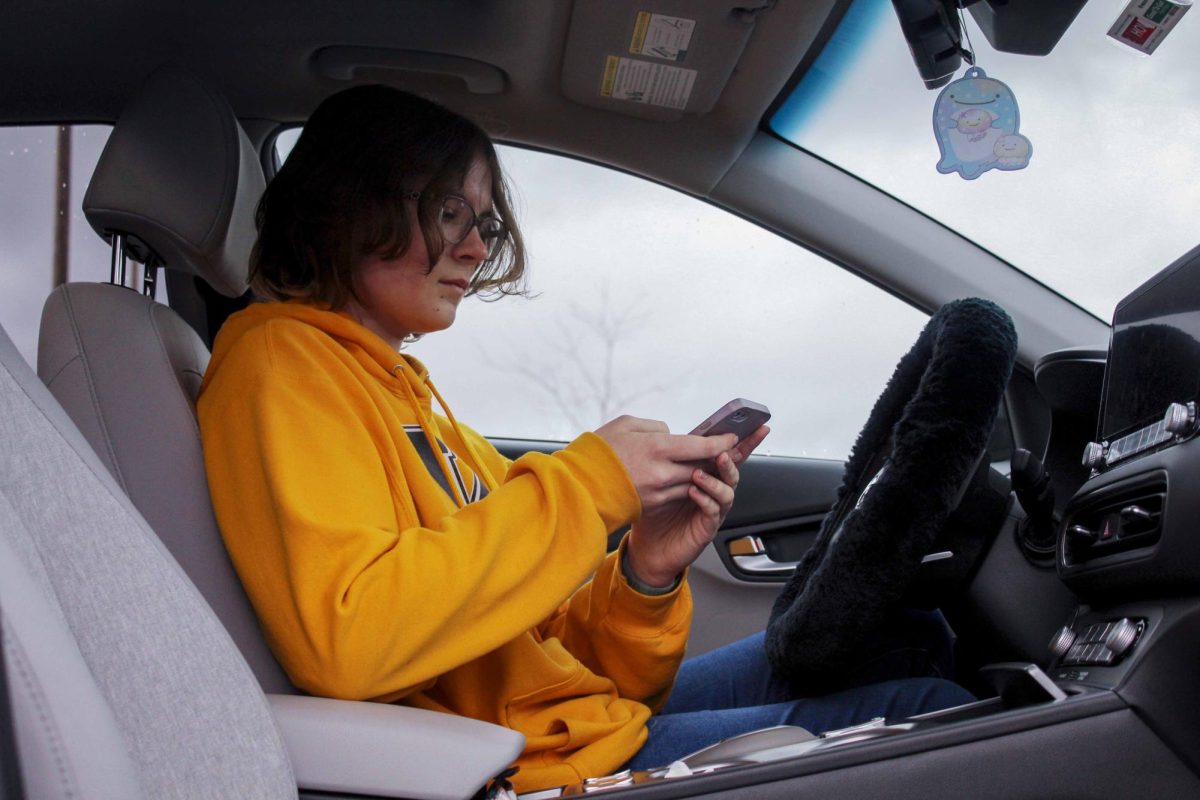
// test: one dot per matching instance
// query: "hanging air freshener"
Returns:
(976, 121)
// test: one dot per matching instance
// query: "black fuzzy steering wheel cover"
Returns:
(932, 422)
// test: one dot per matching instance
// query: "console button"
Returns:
(1180, 418)
(1081, 536)
(1121, 637)
(1135, 513)
(1061, 643)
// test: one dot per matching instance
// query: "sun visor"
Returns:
(655, 59)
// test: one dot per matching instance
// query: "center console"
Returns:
(1129, 542)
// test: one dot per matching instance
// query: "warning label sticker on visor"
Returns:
(645, 82)
(661, 36)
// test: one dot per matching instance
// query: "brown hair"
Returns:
(340, 196)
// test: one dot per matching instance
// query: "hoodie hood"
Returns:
(397, 374)
(367, 347)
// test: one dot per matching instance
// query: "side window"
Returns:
(645, 301)
(44, 238)
(649, 302)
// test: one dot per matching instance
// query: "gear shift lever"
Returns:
(1031, 482)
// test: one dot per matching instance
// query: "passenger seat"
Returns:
(124, 682)
(177, 184)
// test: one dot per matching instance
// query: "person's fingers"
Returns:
(705, 503)
(716, 488)
(656, 498)
(723, 466)
(745, 447)
(641, 425)
(666, 474)
(727, 470)
(687, 447)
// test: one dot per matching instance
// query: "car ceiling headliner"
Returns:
(78, 62)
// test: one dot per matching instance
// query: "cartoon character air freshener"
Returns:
(976, 121)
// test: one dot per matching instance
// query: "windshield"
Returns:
(1111, 193)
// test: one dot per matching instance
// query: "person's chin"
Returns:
(441, 323)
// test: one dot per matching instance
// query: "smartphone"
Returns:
(739, 416)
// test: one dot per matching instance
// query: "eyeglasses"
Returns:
(456, 218)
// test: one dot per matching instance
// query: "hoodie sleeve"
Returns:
(635, 640)
(360, 600)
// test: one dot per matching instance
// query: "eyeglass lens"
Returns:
(457, 219)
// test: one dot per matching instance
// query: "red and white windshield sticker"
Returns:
(1143, 24)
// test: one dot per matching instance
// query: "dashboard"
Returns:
(1126, 457)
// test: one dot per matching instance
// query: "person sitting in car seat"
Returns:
(393, 554)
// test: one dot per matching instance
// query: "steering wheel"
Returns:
(914, 460)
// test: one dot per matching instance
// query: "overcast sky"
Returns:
(710, 307)
(27, 175)
(1112, 192)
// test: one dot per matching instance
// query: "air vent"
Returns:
(1127, 518)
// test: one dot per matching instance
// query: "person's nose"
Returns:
(472, 248)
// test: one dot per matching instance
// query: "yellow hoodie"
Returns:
(394, 555)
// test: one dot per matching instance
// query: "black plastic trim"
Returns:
(1004, 723)
(11, 785)
(1160, 678)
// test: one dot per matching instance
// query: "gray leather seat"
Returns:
(124, 682)
(179, 179)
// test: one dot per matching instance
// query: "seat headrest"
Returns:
(180, 178)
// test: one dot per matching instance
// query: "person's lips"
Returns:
(458, 283)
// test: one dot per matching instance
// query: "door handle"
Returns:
(749, 554)
(763, 565)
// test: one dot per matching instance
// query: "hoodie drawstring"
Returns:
(430, 436)
(481, 471)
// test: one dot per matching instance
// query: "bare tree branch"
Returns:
(579, 369)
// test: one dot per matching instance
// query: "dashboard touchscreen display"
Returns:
(1154, 355)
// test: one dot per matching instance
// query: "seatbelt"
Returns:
(11, 787)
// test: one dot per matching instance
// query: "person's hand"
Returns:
(671, 535)
(659, 463)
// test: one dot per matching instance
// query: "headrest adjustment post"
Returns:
(150, 275)
(117, 275)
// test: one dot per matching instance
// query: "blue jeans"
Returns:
(732, 690)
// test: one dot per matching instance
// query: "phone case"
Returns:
(740, 416)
